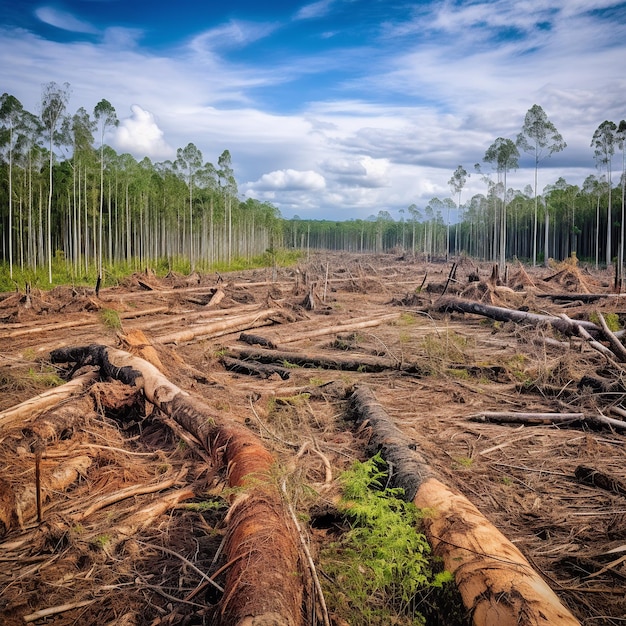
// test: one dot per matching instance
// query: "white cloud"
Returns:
(314, 10)
(64, 20)
(140, 135)
(290, 180)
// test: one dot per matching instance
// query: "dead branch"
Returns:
(596, 478)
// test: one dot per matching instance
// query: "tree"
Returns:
(189, 161)
(456, 183)
(603, 144)
(105, 116)
(621, 143)
(539, 135)
(54, 101)
(227, 182)
(504, 154)
(11, 114)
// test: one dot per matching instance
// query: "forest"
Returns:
(71, 207)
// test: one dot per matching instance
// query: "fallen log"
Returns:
(217, 329)
(348, 326)
(261, 543)
(556, 419)
(496, 582)
(32, 407)
(502, 314)
(357, 362)
(253, 368)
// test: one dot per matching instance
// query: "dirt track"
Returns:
(521, 477)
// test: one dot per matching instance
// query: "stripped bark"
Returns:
(261, 545)
(496, 582)
(277, 339)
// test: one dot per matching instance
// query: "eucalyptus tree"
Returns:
(416, 217)
(226, 177)
(105, 116)
(54, 101)
(457, 183)
(539, 137)
(502, 153)
(189, 161)
(79, 128)
(620, 137)
(603, 144)
(594, 186)
(11, 116)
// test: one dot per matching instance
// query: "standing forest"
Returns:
(70, 206)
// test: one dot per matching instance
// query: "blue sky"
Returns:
(334, 109)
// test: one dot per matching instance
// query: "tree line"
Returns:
(70, 202)
(502, 223)
(70, 206)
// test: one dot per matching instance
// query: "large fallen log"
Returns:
(261, 545)
(496, 582)
(502, 314)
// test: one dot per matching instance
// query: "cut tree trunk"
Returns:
(502, 314)
(261, 546)
(217, 329)
(496, 582)
(357, 362)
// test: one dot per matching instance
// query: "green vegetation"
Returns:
(381, 568)
(111, 319)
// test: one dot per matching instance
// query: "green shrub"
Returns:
(382, 565)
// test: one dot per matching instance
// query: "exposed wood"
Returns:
(617, 347)
(270, 546)
(29, 409)
(496, 582)
(217, 329)
(342, 327)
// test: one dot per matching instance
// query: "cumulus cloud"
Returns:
(64, 21)
(290, 180)
(364, 172)
(140, 135)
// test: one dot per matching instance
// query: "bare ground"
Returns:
(140, 560)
